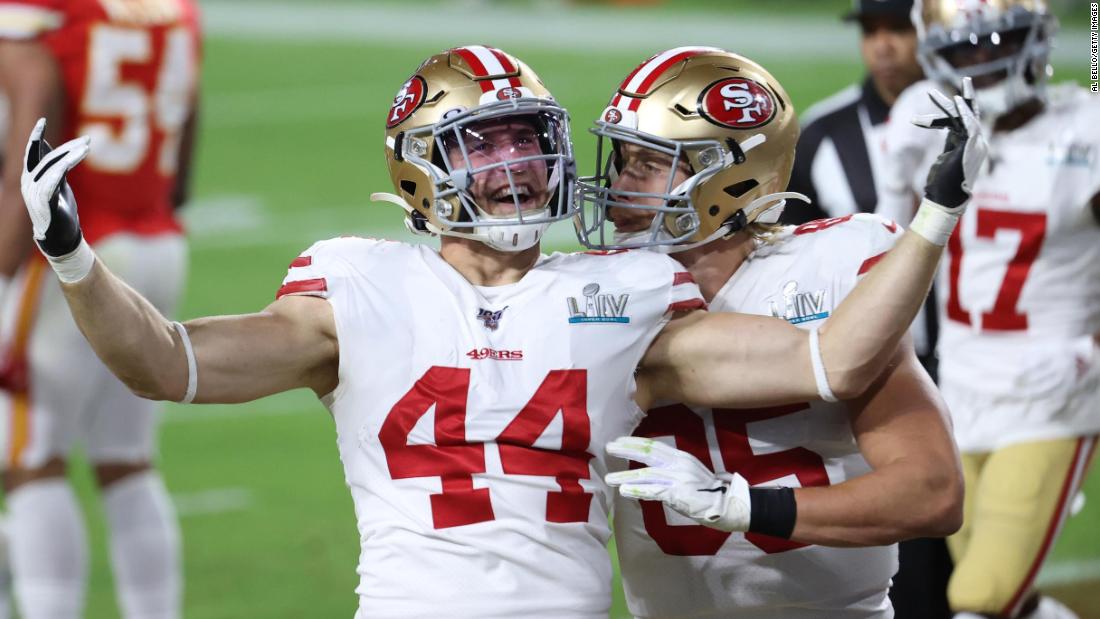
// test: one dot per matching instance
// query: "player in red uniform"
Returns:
(125, 74)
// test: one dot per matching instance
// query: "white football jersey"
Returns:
(1019, 291)
(673, 567)
(471, 421)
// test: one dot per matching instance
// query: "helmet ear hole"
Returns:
(737, 190)
(408, 187)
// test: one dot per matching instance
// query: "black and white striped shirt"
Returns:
(839, 155)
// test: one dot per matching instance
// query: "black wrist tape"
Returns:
(774, 511)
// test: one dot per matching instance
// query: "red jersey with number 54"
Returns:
(471, 421)
(129, 71)
(673, 567)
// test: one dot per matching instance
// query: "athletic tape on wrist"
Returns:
(192, 366)
(75, 265)
(818, 363)
(934, 222)
(774, 511)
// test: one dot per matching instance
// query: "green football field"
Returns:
(291, 148)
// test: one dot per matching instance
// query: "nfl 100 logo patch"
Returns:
(490, 318)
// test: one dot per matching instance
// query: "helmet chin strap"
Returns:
(772, 205)
(514, 238)
(626, 238)
(381, 196)
(721, 232)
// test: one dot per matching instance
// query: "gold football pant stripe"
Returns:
(1017, 499)
(16, 361)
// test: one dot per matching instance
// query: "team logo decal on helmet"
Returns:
(737, 103)
(408, 100)
(510, 92)
(613, 116)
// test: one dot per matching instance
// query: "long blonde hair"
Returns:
(764, 233)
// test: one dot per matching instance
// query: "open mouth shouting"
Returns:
(504, 199)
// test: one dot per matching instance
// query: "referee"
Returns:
(839, 153)
(837, 165)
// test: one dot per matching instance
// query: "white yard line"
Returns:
(212, 501)
(549, 27)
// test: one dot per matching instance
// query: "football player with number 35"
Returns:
(1020, 292)
(125, 73)
(474, 386)
(868, 472)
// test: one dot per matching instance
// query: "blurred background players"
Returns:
(1020, 293)
(839, 166)
(889, 452)
(124, 72)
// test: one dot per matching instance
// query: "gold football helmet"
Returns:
(1003, 45)
(719, 116)
(478, 148)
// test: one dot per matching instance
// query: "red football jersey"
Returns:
(130, 72)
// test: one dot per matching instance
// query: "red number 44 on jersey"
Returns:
(455, 460)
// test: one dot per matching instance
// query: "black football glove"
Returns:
(952, 176)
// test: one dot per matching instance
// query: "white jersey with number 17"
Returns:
(471, 421)
(1019, 290)
(674, 568)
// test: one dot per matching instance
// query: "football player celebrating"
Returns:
(1020, 301)
(870, 471)
(125, 73)
(473, 387)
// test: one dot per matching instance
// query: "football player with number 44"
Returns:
(473, 387)
(1019, 294)
(867, 472)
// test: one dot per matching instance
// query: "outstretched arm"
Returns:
(738, 360)
(290, 344)
(731, 360)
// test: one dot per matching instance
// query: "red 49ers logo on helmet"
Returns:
(737, 103)
(509, 92)
(407, 101)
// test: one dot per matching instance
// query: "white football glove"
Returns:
(52, 206)
(49, 200)
(679, 480)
